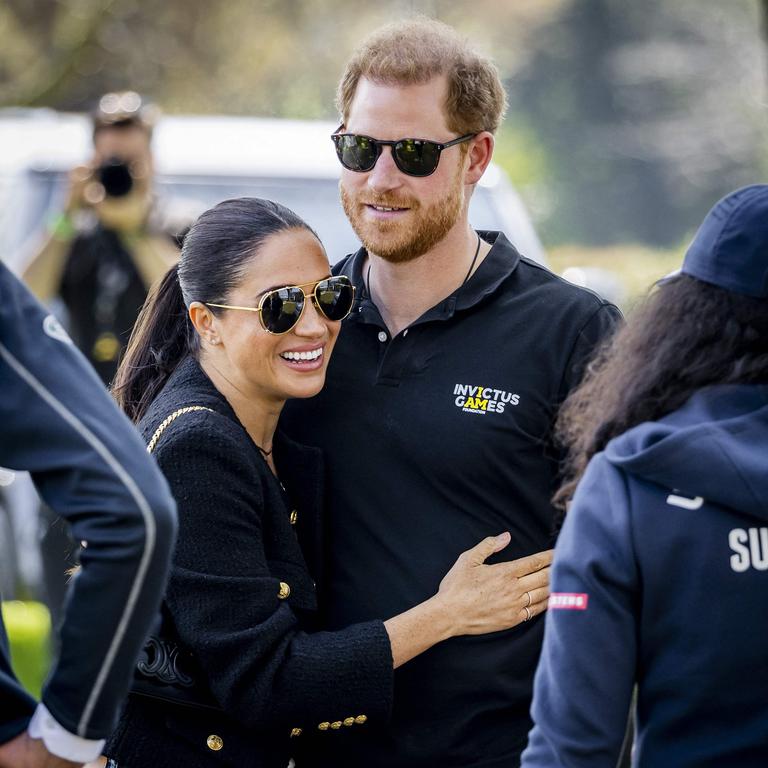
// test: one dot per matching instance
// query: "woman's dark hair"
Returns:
(686, 335)
(213, 260)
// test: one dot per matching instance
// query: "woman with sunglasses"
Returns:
(247, 320)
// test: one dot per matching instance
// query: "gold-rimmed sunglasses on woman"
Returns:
(280, 309)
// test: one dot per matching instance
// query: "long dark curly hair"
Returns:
(686, 335)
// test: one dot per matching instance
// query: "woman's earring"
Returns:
(215, 341)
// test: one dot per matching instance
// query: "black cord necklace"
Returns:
(474, 260)
(469, 273)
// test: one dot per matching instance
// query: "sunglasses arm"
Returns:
(232, 306)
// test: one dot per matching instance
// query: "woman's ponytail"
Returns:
(161, 338)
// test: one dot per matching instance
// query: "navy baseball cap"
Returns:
(730, 249)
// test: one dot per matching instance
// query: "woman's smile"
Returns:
(304, 358)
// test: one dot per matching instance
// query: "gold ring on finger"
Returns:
(528, 595)
(528, 613)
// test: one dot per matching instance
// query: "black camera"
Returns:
(116, 177)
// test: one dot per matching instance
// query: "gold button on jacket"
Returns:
(285, 590)
(295, 732)
(215, 742)
(324, 726)
(360, 719)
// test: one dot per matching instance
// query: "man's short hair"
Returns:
(414, 52)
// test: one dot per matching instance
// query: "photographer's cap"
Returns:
(124, 108)
(730, 249)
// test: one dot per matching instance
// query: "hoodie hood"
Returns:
(714, 446)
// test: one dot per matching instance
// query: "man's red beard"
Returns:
(400, 242)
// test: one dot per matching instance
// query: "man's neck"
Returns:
(404, 292)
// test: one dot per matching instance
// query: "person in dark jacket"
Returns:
(661, 569)
(86, 460)
(247, 320)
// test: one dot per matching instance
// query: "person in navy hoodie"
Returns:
(660, 577)
(91, 467)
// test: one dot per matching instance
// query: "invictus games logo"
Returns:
(483, 399)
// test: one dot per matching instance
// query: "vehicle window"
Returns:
(28, 200)
(315, 200)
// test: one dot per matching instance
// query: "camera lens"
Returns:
(115, 177)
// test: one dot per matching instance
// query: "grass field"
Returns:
(635, 267)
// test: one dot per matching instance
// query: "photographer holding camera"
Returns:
(103, 251)
(108, 245)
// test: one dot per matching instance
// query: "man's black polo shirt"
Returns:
(434, 440)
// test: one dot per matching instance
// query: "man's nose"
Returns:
(385, 175)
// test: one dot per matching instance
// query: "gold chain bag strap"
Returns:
(168, 420)
(165, 669)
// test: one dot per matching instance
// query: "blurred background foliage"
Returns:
(626, 121)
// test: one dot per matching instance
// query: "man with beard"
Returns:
(440, 398)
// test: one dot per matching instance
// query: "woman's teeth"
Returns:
(313, 355)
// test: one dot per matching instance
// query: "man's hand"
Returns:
(26, 752)
(80, 193)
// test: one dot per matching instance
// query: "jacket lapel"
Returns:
(301, 469)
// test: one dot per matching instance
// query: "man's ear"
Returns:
(480, 153)
(205, 322)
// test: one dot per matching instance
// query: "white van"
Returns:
(201, 160)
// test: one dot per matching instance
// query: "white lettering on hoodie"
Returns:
(751, 548)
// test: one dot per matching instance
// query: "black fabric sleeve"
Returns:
(58, 422)
(598, 328)
(223, 596)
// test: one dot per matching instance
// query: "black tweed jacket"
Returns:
(243, 596)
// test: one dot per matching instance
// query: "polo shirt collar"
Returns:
(498, 265)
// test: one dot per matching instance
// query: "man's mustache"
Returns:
(389, 202)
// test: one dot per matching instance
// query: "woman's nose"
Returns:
(312, 323)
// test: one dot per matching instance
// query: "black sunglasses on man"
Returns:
(414, 157)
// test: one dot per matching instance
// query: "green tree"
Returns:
(647, 111)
